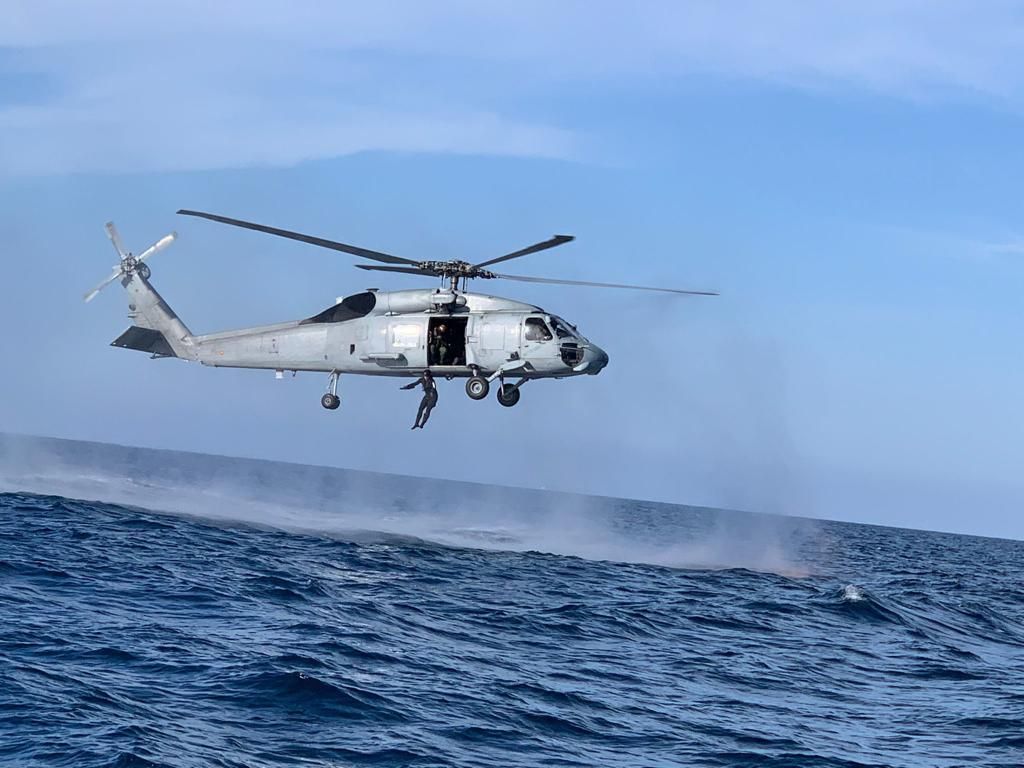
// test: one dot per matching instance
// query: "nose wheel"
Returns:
(330, 399)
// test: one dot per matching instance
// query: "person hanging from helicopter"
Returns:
(429, 397)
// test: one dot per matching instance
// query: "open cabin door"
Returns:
(446, 342)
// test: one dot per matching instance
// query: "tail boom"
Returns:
(155, 327)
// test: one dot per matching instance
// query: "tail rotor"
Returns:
(115, 238)
(129, 263)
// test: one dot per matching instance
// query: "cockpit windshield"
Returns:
(563, 329)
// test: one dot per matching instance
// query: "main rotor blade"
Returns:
(406, 270)
(355, 250)
(603, 285)
(556, 240)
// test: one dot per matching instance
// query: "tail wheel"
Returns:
(477, 387)
(508, 395)
(330, 402)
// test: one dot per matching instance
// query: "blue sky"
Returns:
(848, 175)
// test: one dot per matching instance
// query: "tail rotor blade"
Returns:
(115, 238)
(128, 265)
(158, 246)
(92, 294)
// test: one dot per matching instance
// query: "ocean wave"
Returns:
(856, 602)
(129, 637)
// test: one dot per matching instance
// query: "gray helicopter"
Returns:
(446, 330)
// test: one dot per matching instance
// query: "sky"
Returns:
(848, 175)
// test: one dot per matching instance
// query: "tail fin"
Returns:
(155, 327)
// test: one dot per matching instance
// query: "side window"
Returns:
(405, 336)
(536, 330)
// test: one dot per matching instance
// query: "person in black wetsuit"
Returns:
(429, 397)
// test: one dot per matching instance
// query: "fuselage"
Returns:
(396, 333)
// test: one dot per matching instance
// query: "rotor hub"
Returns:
(455, 269)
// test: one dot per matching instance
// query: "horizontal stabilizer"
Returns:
(144, 340)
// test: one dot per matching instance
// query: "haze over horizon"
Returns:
(847, 176)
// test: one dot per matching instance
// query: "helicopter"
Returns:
(447, 330)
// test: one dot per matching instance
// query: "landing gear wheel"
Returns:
(330, 402)
(477, 387)
(508, 395)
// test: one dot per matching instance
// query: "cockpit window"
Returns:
(562, 328)
(536, 330)
(351, 307)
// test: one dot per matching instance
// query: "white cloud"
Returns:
(140, 86)
(54, 140)
(1014, 247)
(948, 244)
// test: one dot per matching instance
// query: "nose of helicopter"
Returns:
(596, 359)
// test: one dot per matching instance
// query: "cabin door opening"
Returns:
(446, 341)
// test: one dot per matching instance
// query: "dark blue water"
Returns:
(131, 637)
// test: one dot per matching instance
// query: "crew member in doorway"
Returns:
(429, 397)
(439, 345)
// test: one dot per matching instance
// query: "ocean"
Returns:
(171, 609)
